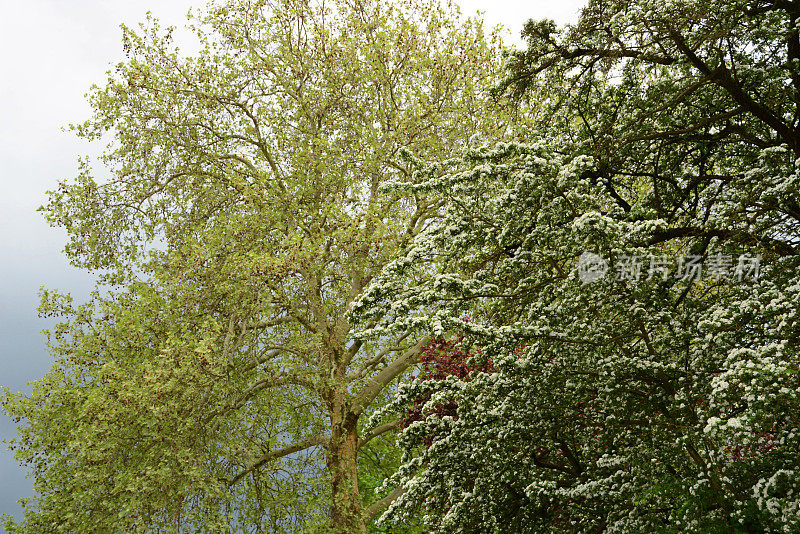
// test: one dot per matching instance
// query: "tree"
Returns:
(213, 383)
(657, 397)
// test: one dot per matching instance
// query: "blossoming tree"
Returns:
(661, 392)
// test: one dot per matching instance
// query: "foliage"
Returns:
(212, 383)
(663, 402)
(441, 359)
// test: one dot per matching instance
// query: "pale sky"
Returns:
(51, 51)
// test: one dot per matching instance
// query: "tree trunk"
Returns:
(346, 513)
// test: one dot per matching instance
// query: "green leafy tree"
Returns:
(212, 383)
(655, 398)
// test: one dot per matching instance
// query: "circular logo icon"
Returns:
(591, 267)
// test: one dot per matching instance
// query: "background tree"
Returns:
(212, 382)
(655, 401)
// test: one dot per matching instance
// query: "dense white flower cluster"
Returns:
(665, 404)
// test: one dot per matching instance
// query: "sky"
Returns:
(51, 52)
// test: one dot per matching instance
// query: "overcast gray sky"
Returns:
(51, 51)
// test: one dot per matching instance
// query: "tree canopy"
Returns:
(588, 277)
(211, 383)
(658, 397)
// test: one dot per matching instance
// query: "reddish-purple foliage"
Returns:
(739, 452)
(440, 359)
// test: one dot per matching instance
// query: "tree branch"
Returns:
(668, 234)
(378, 507)
(722, 77)
(608, 53)
(377, 431)
(385, 376)
(280, 453)
(278, 380)
(364, 369)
